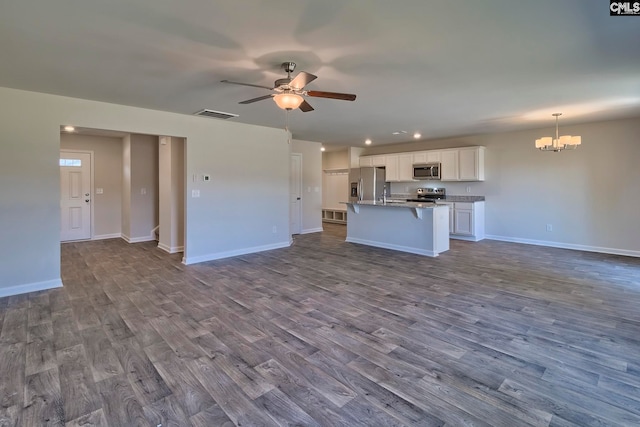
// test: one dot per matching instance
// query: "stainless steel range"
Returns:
(429, 195)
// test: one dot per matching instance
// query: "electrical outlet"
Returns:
(549, 227)
(143, 191)
(195, 193)
(468, 189)
(274, 229)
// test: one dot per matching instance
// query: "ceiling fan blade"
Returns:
(246, 84)
(302, 79)
(332, 95)
(305, 107)
(252, 100)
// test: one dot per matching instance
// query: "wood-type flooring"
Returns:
(326, 333)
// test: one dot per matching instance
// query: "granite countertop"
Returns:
(398, 203)
(404, 196)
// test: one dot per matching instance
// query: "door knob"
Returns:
(86, 200)
(297, 198)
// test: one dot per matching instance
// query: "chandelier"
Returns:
(559, 143)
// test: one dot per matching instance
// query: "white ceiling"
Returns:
(443, 68)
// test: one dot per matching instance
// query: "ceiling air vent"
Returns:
(215, 114)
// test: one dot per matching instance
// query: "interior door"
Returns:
(75, 196)
(295, 214)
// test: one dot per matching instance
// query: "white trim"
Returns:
(312, 230)
(137, 239)
(228, 254)
(30, 287)
(169, 249)
(391, 246)
(107, 236)
(560, 245)
(467, 238)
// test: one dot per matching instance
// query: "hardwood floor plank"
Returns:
(78, 389)
(93, 419)
(119, 403)
(100, 354)
(184, 385)
(228, 395)
(212, 416)
(12, 373)
(145, 380)
(14, 327)
(43, 401)
(166, 412)
(40, 353)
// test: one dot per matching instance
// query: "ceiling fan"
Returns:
(289, 92)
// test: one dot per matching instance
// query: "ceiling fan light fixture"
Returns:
(288, 101)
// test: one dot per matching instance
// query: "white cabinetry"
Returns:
(365, 161)
(378, 160)
(432, 156)
(405, 167)
(466, 220)
(449, 165)
(471, 164)
(392, 168)
(462, 164)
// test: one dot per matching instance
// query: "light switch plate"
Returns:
(195, 193)
(99, 190)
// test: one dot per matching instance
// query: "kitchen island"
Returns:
(418, 228)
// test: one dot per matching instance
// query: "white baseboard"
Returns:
(312, 230)
(107, 236)
(391, 246)
(30, 287)
(228, 254)
(171, 250)
(560, 245)
(137, 239)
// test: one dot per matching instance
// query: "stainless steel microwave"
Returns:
(426, 171)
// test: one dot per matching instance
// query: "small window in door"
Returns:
(71, 162)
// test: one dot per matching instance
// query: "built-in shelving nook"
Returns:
(335, 192)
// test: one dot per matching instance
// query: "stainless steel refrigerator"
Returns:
(366, 183)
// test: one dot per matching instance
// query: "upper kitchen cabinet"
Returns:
(471, 164)
(426, 157)
(378, 160)
(449, 165)
(399, 167)
(462, 164)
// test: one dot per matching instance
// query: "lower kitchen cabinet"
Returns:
(466, 220)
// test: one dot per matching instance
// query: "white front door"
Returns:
(295, 214)
(75, 196)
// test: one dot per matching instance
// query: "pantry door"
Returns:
(75, 196)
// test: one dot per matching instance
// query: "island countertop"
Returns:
(395, 203)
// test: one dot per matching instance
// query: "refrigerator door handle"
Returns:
(360, 189)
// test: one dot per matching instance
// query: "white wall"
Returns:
(107, 173)
(143, 188)
(311, 184)
(591, 196)
(171, 194)
(221, 222)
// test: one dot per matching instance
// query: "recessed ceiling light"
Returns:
(417, 135)
(322, 148)
(367, 141)
(69, 129)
